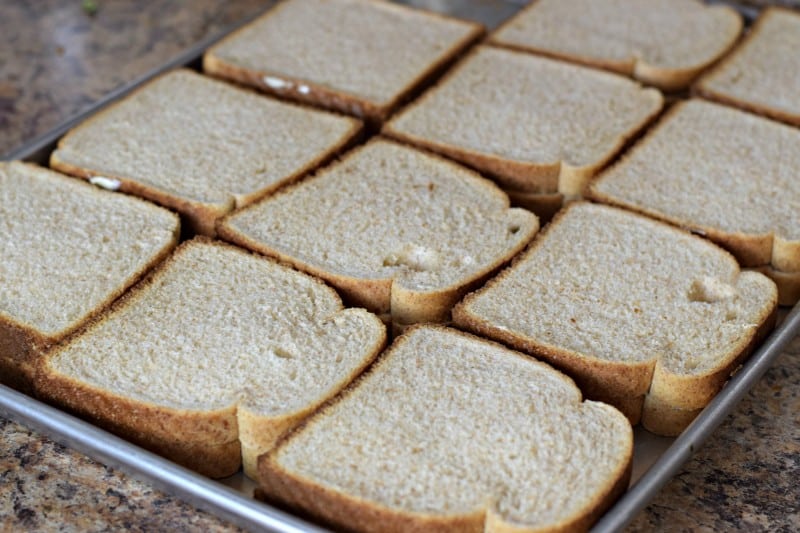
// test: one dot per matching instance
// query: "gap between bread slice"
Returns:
(532, 123)
(721, 172)
(217, 346)
(450, 431)
(201, 146)
(628, 306)
(665, 43)
(396, 230)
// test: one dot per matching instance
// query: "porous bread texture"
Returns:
(200, 146)
(451, 432)
(533, 124)
(762, 75)
(361, 57)
(218, 348)
(665, 43)
(398, 231)
(68, 249)
(627, 306)
(724, 173)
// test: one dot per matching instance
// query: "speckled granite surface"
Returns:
(747, 475)
(54, 61)
(47, 487)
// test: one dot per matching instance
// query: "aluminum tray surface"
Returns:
(656, 459)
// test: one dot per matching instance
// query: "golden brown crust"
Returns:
(701, 88)
(200, 216)
(352, 513)
(788, 284)
(667, 79)
(785, 255)
(382, 296)
(750, 250)
(20, 349)
(663, 419)
(342, 510)
(137, 419)
(330, 98)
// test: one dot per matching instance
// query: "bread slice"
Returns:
(726, 174)
(448, 432)
(665, 43)
(68, 249)
(627, 306)
(200, 146)
(403, 233)
(360, 57)
(761, 74)
(217, 349)
(534, 124)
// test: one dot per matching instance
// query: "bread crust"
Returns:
(622, 384)
(318, 94)
(523, 176)
(788, 284)
(339, 509)
(664, 78)
(201, 217)
(701, 87)
(389, 295)
(205, 440)
(543, 205)
(20, 348)
(663, 419)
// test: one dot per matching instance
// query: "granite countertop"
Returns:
(56, 60)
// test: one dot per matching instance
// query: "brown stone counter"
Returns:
(56, 60)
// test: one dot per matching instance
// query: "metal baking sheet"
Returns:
(656, 459)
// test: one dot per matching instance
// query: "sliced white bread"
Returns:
(448, 432)
(762, 75)
(532, 123)
(401, 232)
(68, 249)
(729, 175)
(218, 349)
(360, 57)
(200, 146)
(628, 306)
(665, 43)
